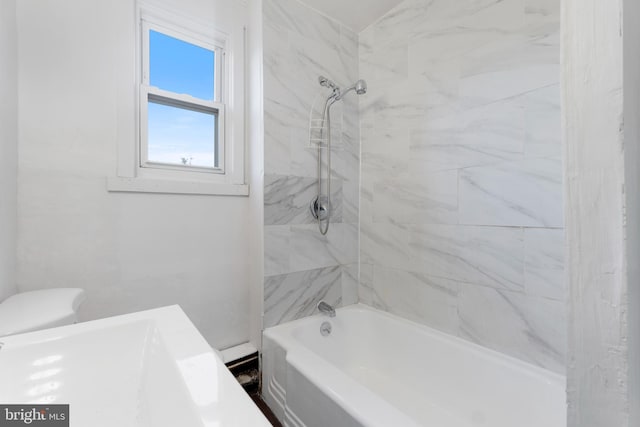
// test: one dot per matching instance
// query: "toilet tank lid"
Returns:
(34, 310)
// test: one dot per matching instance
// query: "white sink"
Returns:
(150, 368)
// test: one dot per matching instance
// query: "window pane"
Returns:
(181, 137)
(180, 67)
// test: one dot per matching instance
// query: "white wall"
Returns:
(8, 146)
(461, 224)
(129, 251)
(601, 110)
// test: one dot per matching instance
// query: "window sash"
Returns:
(214, 45)
(187, 102)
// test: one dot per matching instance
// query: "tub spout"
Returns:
(326, 309)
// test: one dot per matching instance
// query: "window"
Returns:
(190, 108)
(182, 109)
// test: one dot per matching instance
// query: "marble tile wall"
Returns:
(302, 266)
(461, 223)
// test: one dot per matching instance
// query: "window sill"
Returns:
(118, 184)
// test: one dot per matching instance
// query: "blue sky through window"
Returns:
(177, 135)
(180, 67)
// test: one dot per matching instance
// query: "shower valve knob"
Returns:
(320, 208)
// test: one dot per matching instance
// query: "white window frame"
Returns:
(181, 100)
(134, 172)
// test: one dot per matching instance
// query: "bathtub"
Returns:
(376, 369)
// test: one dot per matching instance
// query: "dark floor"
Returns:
(246, 371)
(265, 410)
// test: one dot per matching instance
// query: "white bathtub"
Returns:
(376, 369)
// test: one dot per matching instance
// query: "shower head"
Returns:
(360, 87)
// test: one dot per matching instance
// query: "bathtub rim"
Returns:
(284, 333)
